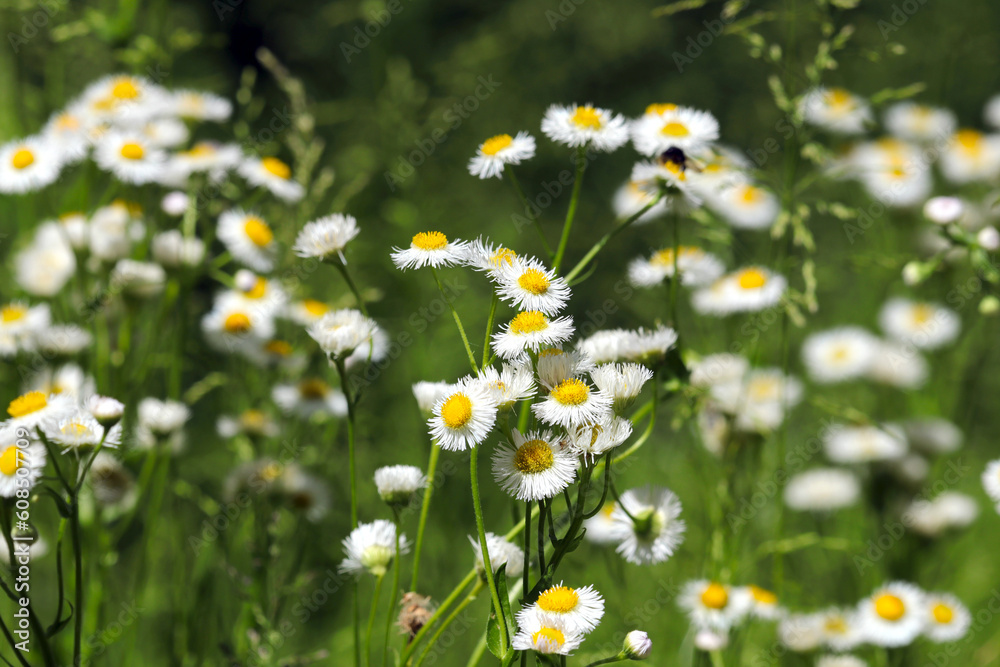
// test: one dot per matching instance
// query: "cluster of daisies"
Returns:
(136, 131)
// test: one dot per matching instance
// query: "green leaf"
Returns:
(493, 625)
(677, 7)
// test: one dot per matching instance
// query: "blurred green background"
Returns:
(378, 102)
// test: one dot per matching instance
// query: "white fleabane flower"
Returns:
(531, 330)
(535, 466)
(430, 249)
(198, 105)
(924, 325)
(274, 175)
(43, 267)
(696, 267)
(898, 365)
(864, 444)
(745, 206)
(22, 459)
(649, 346)
(585, 125)
(606, 346)
(839, 354)
(555, 365)
(254, 423)
(841, 628)
(991, 480)
(30, 164)
(802, 632)
(836, 110)
(637, 645)
(571, 403)
(971, 156)
(947, 511)
(545, 635)
(666, 126)
(593, 440)
(162, 418)
(462, 419)
(36, 408)
(310, 397)
(397, 484)
(326, 237)
(760, 602)
(131, 157)
(231, 326)
(172, 249)
(371, 547)
(429, 393)
(248, 238)
(947, 619)
(631, 198)
(79, 430)
(622, 382)
(649, 525)
(944, 210)
(497, 152)
(712, 606)
(669, 180)
(482, 255)
(108, 411)
(919, 122)
(749, 289)
(137, 279)
(528, 285)
(514, 382)
(340, 332)
(20, 325)
(894, 615)
(932, 435)
(822, 490)
(579, 609)
(502, 552)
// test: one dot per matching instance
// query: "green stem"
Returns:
(603, 241)
(581, 165)
(489, 328)
(425, 508)
(608, 661)
(458, 321)
(392, 594)
(527, 548)
(451, 617)
(527, 209)
(371, 619)
(342, 267)
(351, 417)
(487, 568)
(676, 278)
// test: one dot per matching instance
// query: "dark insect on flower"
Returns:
(677, 157)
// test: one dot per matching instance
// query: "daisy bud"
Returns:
(637, 645)
(245, 280)
(174, 203)
(106, 410)
(398, 484)
(340, 332)
(988, 238)
(944, 210)
(989, 305)
(915, 273)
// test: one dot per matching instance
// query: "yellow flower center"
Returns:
(835, 625)
(889, 607)
(12, 313)
(571, 392)
(763, 388)
(237, 323)
(270, 472)
(201, 149)
(674, 129)
(660, 108)
(666, 257)
(23, 158)
(494, 145)
(751, 195)
(125, 89)
(73, 429)
(67, 121)
(314, 307)
(715, 596)
(503, 255)
(838, 97)
(258, 290)
(253, 420)
(456, 411)
(533, 457)
(942, 612)
(534, 281)
(132, 151)
(558, 600)
(10, 461)
(763, 596)
(278, 348)
(552, 635)
(313, 389)
(586, 118)
(258, 231)
(839, 353)
(530, 321)
(276, 167)
(752, 279)
(970, 140)
(922, 314)
(430, 240)
(33, 401)
(550, 352)
(676, 169)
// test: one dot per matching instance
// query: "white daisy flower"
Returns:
(164, 132)
(631, 198)
(836, 110)
(991, 112)
(464, 418)
(69, 132)
(534, 467)
(760, 602)
(802, 632)
(670, 180)
(697, 267)
(310, 397)
(750, 289)
(305, 312)
(746, 206)
(841, 628)
(649, 347)
(932, 435)
(398, 484)
(864, 444)
(944, 210)
(173, 250)
(718, 369)
(947, 511)
(429, 393)
(502, 552)
(573, 402)
(114, 229)
(485, 256)
(80, 430)
(257, 293)
(326, 237)
(497, 152)
(27, 165)
(839, 354)
(545, 635)
(253, 423)
(593, 440)
(971, 156)
(371, 547)
(585, 125)
(712, 606)
(43, 267)
(140, 280)
(649, 525)
(124, 98)
(555, 365)
(531, 330)
(894, 615)
(927, 326)
(272, 174)
(602, 528)
(308, 494)
(20, 326)
(947, 619)
(606, 346)
(918, 122)
(63, 340)
(528, 285)
(198, 105)
(822, 490)
(230, 326)
(35, 408)
(991, 480)
(131, 157)
(248, 238)
(66, 380)
(205, 156)
(340, 332)
(711, 640)
(430, 249)
(622, 382)
(163, 418)
(669, 126)
(513, 383)
(579, 609)
(898, 365)
(19, 451)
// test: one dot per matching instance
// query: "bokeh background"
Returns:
(379, 98)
